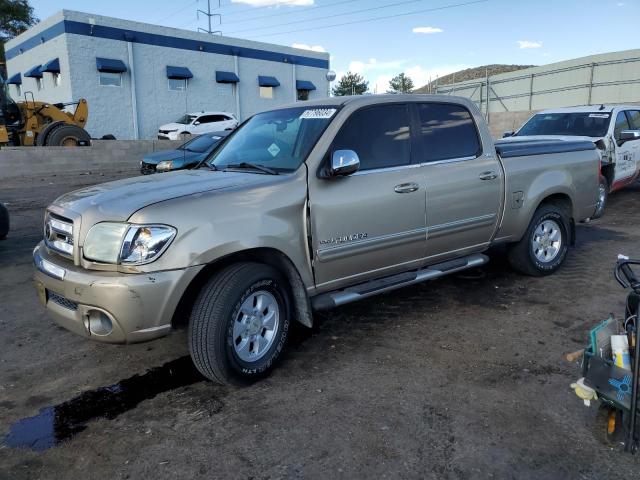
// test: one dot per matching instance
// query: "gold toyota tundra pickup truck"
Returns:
(306, 207)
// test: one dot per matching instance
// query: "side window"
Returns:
(206, 119)
(379, 135)
(634, 119)
(447, 131)
(621, 124)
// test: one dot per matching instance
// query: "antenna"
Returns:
(208, 14)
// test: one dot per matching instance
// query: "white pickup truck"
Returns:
(615, 129)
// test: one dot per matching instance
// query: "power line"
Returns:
(182, 9)
(366, 20)
(371, 9)
(282, 14)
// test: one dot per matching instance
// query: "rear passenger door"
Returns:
(371, 223)
(464, 183)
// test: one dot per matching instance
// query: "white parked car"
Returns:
(615, 129)
(197, 123)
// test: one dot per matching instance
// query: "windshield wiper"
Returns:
(210, 166)
(254, 166)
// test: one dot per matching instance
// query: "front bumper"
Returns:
(139, 307)
(168, 135)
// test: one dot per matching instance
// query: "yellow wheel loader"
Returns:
(43, 124)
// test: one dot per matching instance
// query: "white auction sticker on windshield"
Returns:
(598, 115)
(273, 149)
(318, 113)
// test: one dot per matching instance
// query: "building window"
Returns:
(110, 79)
(56, 79)
(18, 90)
(178, 84)
(303, 95)
(39, 84)
(266, 92)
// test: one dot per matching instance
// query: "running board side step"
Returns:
(326, 301)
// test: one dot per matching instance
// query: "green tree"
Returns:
(15, 17)
(400, 84)
(350, 84)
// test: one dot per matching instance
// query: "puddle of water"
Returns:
(57, 423)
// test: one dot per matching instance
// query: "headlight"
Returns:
(164, 166)
(123, 243)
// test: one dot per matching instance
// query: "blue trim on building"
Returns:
(304, 85)
(113, 33)
(112, 65)
(226, 77)
(178, 72)
(15, 79)
(264, 81)
(52, 66)
(34, 72)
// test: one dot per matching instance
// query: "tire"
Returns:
(528, 255)
(608, 426)
(4, 222)
(223, 339)
(68, 136)
(603, 197)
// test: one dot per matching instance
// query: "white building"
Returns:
(136, 76)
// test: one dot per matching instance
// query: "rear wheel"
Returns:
(608, 427)
(603, 196)
(544, 246)
(239, 323)
(68, 136)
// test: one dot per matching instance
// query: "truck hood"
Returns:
(178, 155)
(118, 200)
(546, 138)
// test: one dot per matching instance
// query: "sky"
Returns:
(381, 38)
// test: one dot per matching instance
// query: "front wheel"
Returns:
(544, 246)
(603, 196)
(239, 323)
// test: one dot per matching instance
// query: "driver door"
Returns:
(371, 223)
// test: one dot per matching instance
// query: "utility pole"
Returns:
(209, 15)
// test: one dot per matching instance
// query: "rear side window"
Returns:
(621, 124)
(634, 119)
(380, 136)
(447, 131)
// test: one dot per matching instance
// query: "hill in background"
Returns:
(471, 74)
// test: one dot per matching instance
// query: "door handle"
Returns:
(488, 175)
(406, 187)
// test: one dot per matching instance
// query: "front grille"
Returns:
(147, 168)
(62, 301)
(58, 234)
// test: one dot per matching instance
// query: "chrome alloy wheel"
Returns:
(547, 241)
(255, 327)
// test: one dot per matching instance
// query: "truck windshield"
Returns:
(583, 124)
(279, 140)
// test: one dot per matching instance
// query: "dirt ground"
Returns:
(460, 378)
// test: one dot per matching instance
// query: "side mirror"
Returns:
(508, 133)
(196, 123)
(344, 162)
(626, 135)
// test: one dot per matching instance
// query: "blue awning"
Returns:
(15, 79)
(111, 65)
(178, 72)
(304, 85)
(268, 81)
(226, 77)
(52, 66)
(35, 72)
